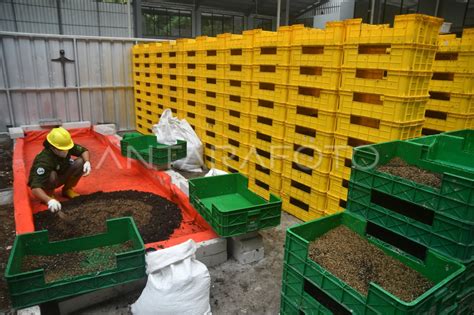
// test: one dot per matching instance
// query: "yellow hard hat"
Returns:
(60, 138)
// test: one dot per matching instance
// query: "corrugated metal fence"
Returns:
(97, 85)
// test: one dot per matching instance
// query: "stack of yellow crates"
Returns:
(238, 56)
(270, 71)
(451, 103)
(384, 89)
(314, 76)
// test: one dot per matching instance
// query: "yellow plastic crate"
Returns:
(173, 102)
(211, 84)
(343, 145)
(238, 72)
(212, 111)
(305, 215)
(459, 62)
(387, 108)
(265, 159)
(334, 204)
(451, 103)
(332, 34)
(305, 175)
(188, 47)
(408, 28)
(237, 41)
(338, 186)
(238, 87)
(320, 140)
(171, 52)
(190, 81)
(452, 82)
(316, 56)
(235, 147)
(375, 130)
(173, 91)
(400, 57)
(268, 126)
(213, 56)
(212, 138)
(171, 68)
(237, 103)
(199, 131)
(451, 43)
(237, 132)
(313, 97)
(239, 56)
(341, 167)
(237, 118)
(211, 124)
(209, 70)
(440, 121)
(270, 73)
(265, 175)
(270, 109)
(281, 38)
(211, 98)
(192, 94)
(213, 151)
(268, 143)
(309, 117)
(194, 119)
(277, 56)
(389, 82)
(233, 164)
(308, 156)
(192, 107)
(270, 91)
(319, 77)
(262, 189)
(304, 196)
(212, 162)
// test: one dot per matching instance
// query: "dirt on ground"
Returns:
(399, 167)
(155, 217)
(358, 263)
(7, 236)
(69, 265)
(6, 154)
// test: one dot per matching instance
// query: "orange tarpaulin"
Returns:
(110, 172)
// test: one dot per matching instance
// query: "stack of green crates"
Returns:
(429, 229)
(145, 147)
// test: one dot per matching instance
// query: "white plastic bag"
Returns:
(215, 172)
(170, 129)
(177, 283)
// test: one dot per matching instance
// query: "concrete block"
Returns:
(105, 129)
(6, 196)
(16, 132)
(85, 300)
(76, 124)
(33, 310)
(246, 248)
(214, 260)
(211, 247)
(27, 128)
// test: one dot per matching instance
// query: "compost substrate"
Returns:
(357, 262)
(155, 217)
(69, 265)
(399, 167)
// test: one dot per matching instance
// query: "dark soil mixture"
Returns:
(398, 167)
(357, 262)
(155, 217)
(6, 154)
(7, 236)
(69, 265)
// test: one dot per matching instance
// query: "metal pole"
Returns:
(129, 17)
(278, 13)
(287, 13)
(78, 80)
(60, 19)
(372, 11)
(436, 8)
(7, 86)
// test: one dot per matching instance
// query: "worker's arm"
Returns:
(41, 195)
(86, 169)
(85, 156)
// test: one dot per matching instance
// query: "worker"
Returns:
(53, 167)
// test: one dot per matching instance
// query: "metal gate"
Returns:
(71, 78)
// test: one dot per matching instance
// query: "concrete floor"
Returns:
(235, 288)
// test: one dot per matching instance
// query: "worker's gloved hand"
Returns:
(87, 168)
(54, 205)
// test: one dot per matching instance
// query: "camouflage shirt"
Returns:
(47, 161)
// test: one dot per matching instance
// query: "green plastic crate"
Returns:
(145, 147)
(230, 207)
(444, 272)
(408, 221)
(449, 154)
(29, 288)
